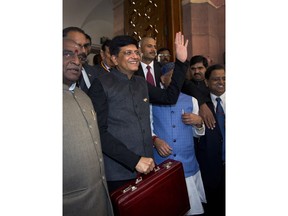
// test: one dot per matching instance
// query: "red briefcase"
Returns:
(161, 192)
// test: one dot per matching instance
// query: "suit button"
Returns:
(174, 140)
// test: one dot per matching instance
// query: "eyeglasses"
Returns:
(128, 53)
(164, 55)
(70, 55)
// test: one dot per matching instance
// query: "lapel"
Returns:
(157, 72)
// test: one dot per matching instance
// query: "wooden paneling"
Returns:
(156, 18)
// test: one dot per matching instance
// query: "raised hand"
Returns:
(181, 47)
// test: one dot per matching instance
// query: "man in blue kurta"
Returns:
(174, 127)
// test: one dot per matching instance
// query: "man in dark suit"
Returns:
(148, 52)
(121, 102)
(195, 86)
(106, 63)
(89, 73)
(210, 149)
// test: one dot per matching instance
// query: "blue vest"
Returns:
(168, 126)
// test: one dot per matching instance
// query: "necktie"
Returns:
(221, 121)
(149, 76)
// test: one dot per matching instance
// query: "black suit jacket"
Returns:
(197, 89)
(92, 73)
(170, 95)
(208, 149)
(101, 70)
(157, 72)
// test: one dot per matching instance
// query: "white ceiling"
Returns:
(95, 17)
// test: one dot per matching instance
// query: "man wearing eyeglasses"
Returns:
(121, 101)
(85, 190)
(88, 72)
(163, 56)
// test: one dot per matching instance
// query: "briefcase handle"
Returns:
(139, 176)
(156, 169)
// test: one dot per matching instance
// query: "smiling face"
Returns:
(216, 82)
(127, 61)
(71, 62)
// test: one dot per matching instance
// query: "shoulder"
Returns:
(80, 94)
(140, 71)
(88, 67)
(157, 66)
(139, 78)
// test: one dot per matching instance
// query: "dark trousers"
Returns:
(215, 198)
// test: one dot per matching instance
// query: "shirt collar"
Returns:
(72, 87)
(145, 65)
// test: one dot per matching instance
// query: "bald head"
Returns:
(148, 49)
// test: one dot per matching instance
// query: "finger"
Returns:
(177, 38)
(186, 43)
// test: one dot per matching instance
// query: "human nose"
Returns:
(76, 59)
(222, 81)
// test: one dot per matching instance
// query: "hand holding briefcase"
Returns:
(161, 192)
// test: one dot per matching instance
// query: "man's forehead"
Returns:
(129, 46)
(71, 45)
(198, 63)
(148, 40)
(164, 51)
(218, 72)
(78, 37)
